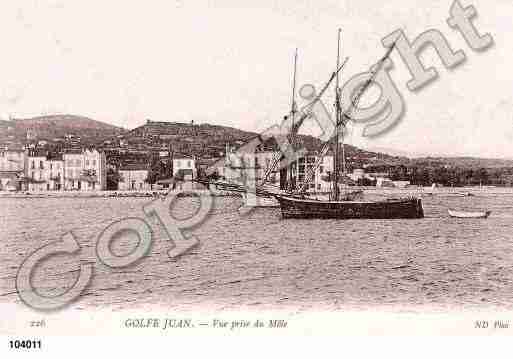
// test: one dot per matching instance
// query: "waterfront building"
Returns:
(73, 165)
(12, 166)
(13, 160)
(184, 163)
(35, 173)
(384, 182)
(85, 170)
(263, 160)
(10, 181)
(183, 180)
(54, 173)
(301, 168)
(235, 167)
(44, 173)
(358, 174)
(133, 177)
(95, 170)
(35, 170)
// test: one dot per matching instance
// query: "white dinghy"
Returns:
(466, 214)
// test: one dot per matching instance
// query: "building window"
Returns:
(87, 162)
(51, 166)
(188, 164)
(321, 169)
(32, 174)
(41, 164)
(32, 164)
(94, 163)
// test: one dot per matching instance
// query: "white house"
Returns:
(36, 172)
(384, 182)
(133, 177)
(55, 174)
(12, 167)
(85, 170)
(184, 163)
(43, 173)
(303, 166)
(9, 181)
(13, 160)
(95, 170)
(73, 165)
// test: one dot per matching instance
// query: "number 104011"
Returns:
(25, 344)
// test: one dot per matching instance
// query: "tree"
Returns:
(113, 178)
(158, 170)
(482, 176)
(153, 171)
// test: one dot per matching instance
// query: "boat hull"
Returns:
(389, 209)
(463, 214)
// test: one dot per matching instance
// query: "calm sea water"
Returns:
(260, 261)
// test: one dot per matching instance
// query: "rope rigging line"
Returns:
(345, 118)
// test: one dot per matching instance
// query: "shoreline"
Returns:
(107, 194)
(408, 191)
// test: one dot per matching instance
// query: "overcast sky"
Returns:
(230, 63)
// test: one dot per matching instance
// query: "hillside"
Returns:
(207, 140)
(56, 126)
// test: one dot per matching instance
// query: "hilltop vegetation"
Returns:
(56, 126)
(208, 141)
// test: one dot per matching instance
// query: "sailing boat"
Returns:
(298, 206)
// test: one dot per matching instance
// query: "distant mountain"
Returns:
(463, 162)
(57, 126)
(396, 152)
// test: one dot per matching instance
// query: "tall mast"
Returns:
(337, 108)
(343, 129)
(293, 109)
(293, 102)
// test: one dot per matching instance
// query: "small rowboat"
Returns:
(464, 214)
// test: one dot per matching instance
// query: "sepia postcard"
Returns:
(183, 169)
